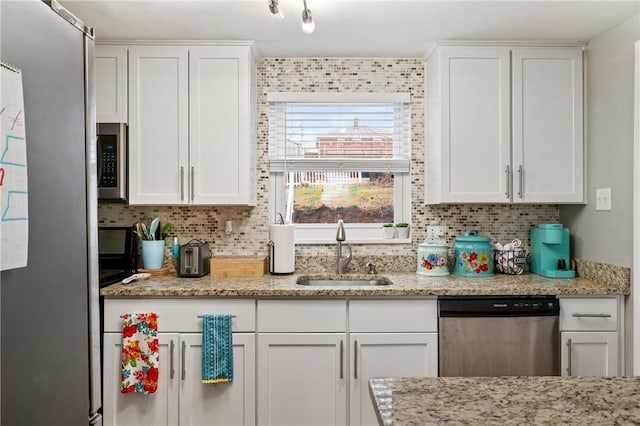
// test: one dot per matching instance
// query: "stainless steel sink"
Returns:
(343, 280)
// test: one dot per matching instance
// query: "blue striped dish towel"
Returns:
(217, 349)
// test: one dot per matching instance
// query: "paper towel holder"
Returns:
(280, 269)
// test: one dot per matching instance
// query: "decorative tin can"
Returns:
(432, 258)
(473, 255)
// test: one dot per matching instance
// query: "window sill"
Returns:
(358, 241)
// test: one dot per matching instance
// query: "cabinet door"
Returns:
(111, 84)
(475, 151)
(137, 409)
(302, 379)
(386, 355)
(158, 125)
(589, 353)
(219, 79)
(217, 404)
(547, 125)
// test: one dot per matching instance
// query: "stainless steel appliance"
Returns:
(112, 161)
(499, 336)
(118, 254)
(194, 259)
(50, 309)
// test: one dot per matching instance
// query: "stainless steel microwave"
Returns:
(112, 161)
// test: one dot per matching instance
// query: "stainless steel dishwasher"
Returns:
(499, 336)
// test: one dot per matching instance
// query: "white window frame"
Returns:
(357, 233)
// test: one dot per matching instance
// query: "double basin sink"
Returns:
(344, 280)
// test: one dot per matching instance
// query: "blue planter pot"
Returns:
(152, 254)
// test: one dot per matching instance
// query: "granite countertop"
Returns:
(507, 400)
(404, 284)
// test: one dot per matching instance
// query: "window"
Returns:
(339, 156)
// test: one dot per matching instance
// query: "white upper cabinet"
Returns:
(111, 84)
(504, 124)
(547, 125)
(220, 125)
(158, 125)
(191, 136)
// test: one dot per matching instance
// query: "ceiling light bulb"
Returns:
(308, 26)
(276, 13)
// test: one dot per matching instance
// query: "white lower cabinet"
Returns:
(386, 355)
(136, 409)
(589, 353)
(181, 397)
(302, 379)
(590, 336)
(315, 357)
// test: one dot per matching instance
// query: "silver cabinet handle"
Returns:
(507, 183)
(355, 359)
(342, 359)
(569, 358)
(520, 181)
(592, 315)
(173, 371)
(184, 372)
(193, 182)
(181, 183)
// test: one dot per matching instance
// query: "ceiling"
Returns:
(344, 28)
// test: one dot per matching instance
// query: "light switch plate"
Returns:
(438, 232)
(603, 199)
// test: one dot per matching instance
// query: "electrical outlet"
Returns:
(603, 199)
(438, 232)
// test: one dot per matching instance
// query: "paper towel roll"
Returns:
(282, 257)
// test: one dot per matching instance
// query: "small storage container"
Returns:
(473, 255)
(432, 258)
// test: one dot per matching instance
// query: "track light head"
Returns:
(275, 11)
(308, 26)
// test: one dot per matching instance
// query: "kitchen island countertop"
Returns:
(404, 284)
(507, 400)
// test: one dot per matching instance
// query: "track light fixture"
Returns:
(276, 13)
(308, 25)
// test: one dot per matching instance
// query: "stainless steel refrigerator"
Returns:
(49, 315)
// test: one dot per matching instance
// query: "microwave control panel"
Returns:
(108, 161)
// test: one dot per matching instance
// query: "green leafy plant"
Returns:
(388, 225)
(153, 232)
(402, 225)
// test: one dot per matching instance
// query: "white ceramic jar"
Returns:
(433, 258)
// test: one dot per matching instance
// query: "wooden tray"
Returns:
(161, 271)
(238, 266)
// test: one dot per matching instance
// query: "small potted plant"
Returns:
(403, 230)
(152, 239)
(389, 230)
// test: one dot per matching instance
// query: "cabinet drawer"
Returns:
(595, 314)
(393, 315)
(304, 316)
(181, 315)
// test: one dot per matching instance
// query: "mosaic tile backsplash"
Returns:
(251, 232)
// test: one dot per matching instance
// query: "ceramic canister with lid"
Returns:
(432, 258)
(473, 255)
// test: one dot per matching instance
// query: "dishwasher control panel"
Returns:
(478, 306)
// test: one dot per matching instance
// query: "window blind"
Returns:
(338, 134)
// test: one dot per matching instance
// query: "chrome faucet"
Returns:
(343, 261)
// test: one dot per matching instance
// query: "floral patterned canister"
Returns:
(473, 255)
(432, 258)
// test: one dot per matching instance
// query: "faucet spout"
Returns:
(342, 261)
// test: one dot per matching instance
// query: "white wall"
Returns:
(606, 236)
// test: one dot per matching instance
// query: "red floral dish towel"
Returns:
(140, 353)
